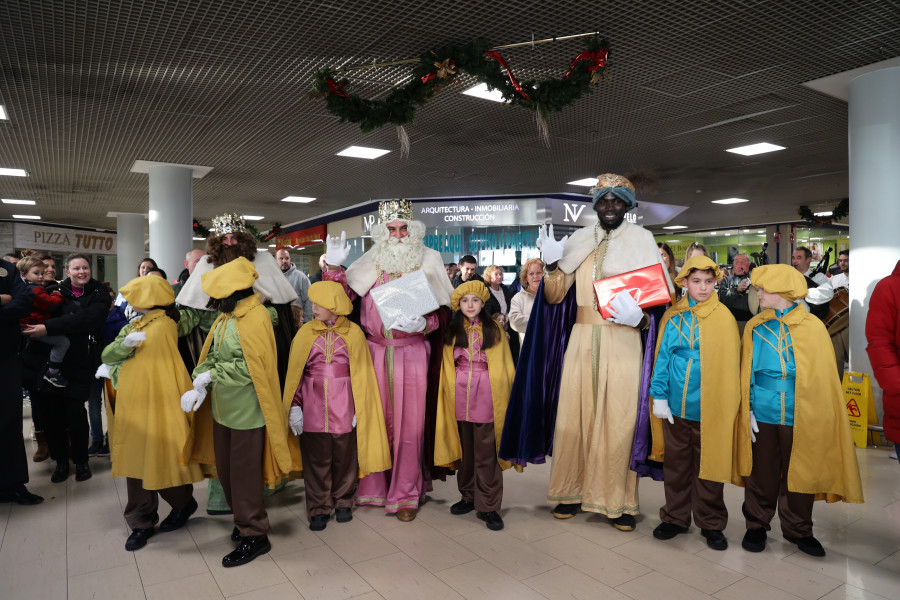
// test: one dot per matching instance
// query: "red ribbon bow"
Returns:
(336, 89)
(597, 57)
(512, 79)
(429, 77)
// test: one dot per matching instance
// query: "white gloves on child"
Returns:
(551, 250)
(662, 411)
(102, 371)
(336, 249)
(407, 325)
(134, 338)
(202, 380)
(353, 423)
(191, 400)
(295, 419)
(625, 310)
(754, 427)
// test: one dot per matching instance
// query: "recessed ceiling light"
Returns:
(13, 172)
(272, 246)
(711, 233)
(824, 213)
(755, 149)
(760, 231)
(675, 227)
(730, 201)
(198, 239)
(481, 91)
(30, 217)
(814, 239)
(587, 181)
(673, 240)
(362, 152)
(12, 201)
(303, 199)
(746, 231)
(251, 218)
(3, 116)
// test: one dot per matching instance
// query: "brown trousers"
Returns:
(766, 487)
(330, 465)
(685, 491)
(140, 511)
(239, 456)
(480, 478)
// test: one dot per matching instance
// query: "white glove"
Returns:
(625, 311)
(191, 400)
(754, 427)
(661, 410)
(353, 424)
(551, 250)
(102, 371)
(203, 380)
(336, 249)
(295, 418)
(407, 325)
(134, 338)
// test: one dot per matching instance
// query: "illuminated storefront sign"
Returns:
(63, 239)
(304, 237)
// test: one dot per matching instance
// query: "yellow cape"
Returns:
(447, 447)
(281, 455)
(371, 434)
(725, 454)
(823, 459)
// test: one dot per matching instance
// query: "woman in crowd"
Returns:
(81, 318)
(520, 306)
(145, 265)
(498, 304)
(668, 258)
(694, 249)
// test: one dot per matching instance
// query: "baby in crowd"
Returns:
(45, 303)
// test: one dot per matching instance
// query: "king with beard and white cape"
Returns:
(401, 358)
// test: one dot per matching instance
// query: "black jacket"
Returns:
(81, 319)
(457, 280)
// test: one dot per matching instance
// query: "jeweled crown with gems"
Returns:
(228, 223)
(398, 208)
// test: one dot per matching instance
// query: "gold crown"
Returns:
(613, 180)
(391, 210)
(228, 223)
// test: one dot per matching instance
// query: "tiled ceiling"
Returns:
(92, 86)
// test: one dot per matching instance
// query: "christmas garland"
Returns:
(840, 211)
(437, 69)
(199, 229)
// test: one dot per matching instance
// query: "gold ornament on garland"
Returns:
(839, 212)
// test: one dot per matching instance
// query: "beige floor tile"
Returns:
(4, 518)
(654, 586)
(195, 587)
(320, 574)
(568, 583)
(851, 571)
(282, 591)
(168, 556)
(256, 575)
(448, 524)
(597, 529)
(864, 539)
(209, 530)
(97, 550)
(750, 588)
(515, 557)
(891, 563)
(428, 547)
(121, 583)
(849, 592)
(684, 567)
(591, 559)
(530, 524)
(369, 596)
(290, 537)
(399, 577)
(37, 579)
(376, 518)
(480, 579)
(355, 541)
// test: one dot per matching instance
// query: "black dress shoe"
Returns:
(808, 545)
(754, 540)
(462, 507)
(22, 496)
(624, 523)
(566, 511)
(492, 520)
(666, 531)
(318, 522)
(178, 517)
(138, 538)
(343, 514)
(82, 472)
(61, 473)
(249, 548)
(715, 539)
(235, 535)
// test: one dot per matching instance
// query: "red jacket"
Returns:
(44, 303)
(883, 336)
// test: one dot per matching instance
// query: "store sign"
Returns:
(303, 237)
(475, 213)
(63, 239)
(472, 242)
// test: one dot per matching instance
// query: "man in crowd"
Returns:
(842, 279)
(468, 271)
(820, 290)
(300, 282)
(401, 355)
(737, 294)
(190, 261)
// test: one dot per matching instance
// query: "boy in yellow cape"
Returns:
(335, 406)
(243, 429)
(147, 430)
(697, 398)
(802, 450)
(476, 375)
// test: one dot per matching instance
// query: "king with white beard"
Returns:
(401, 354)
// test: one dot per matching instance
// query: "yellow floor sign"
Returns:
(860, 406)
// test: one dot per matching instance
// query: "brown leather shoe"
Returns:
(406, 514)
(42, 452)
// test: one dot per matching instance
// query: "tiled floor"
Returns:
(72, 546)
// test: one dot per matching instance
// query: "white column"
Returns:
(874, 128)
(129, 246)
(171, 217)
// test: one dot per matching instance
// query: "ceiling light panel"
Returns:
(302, 199)
(362, 152)
(753, 149)
(15, 201)
(730, 201)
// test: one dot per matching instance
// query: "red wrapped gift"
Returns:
(647, 286)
